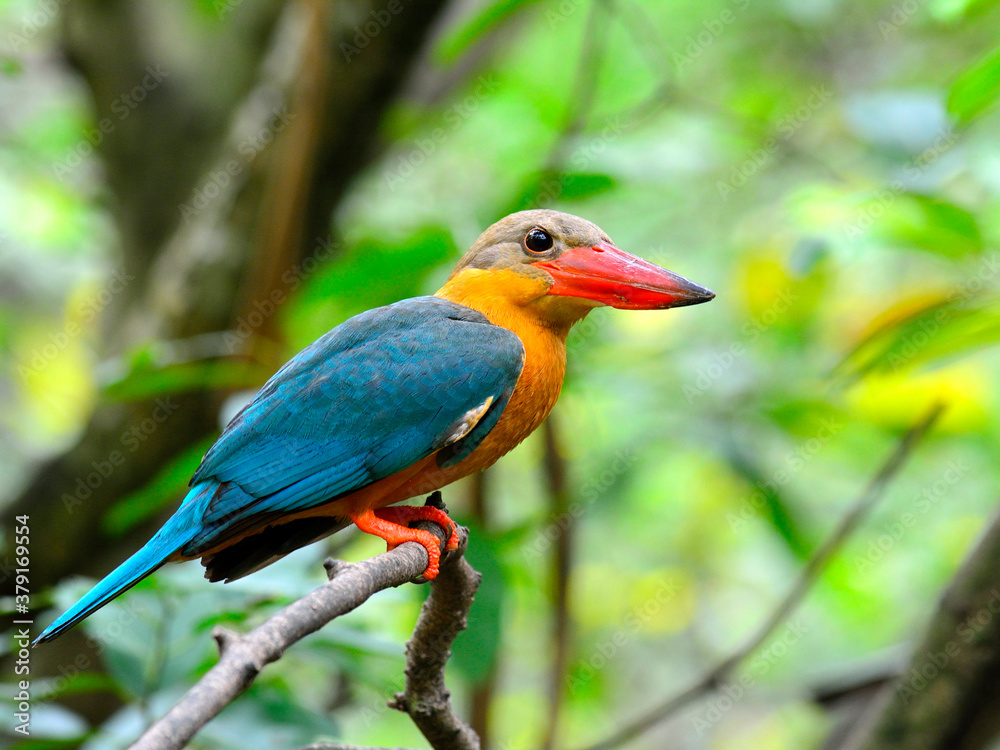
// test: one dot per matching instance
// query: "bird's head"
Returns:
(563, 266)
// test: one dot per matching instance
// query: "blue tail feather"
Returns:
(175, 533)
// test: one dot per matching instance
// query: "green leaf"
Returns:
(77, 683)
(955, 11)
(474, 27)
(577, 186)
(937, 329)
(976, 89)
(372, 272)
(543, 188)
(146, 381)
(475, 651)
(924, 223)
(784, 516)
(165, 487)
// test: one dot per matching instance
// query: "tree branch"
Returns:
(946, 697)
(562, 570)
(426, 698)
(714, 677)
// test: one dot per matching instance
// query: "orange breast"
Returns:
(503, 297)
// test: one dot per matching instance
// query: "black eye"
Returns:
(538, 241)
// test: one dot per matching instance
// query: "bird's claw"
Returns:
(401, 516)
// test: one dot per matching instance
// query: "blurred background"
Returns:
(192, 191)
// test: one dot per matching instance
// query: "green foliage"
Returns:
(936, 226)
(483, 21)
(369, 272)
(934, 330)
(976, 89)
(829, 169)
(475, 653)
(155, 497)
(148, 380)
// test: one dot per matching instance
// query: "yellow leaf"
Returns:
(662, 601)
(55, 377)
(893, 399)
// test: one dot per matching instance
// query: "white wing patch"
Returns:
(465, 423)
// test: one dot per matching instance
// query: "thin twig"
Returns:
(338, 746)
(555, 470)
(807, 577)
(481, 697)
(425, 697)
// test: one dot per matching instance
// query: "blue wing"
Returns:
(370, 398)
(373, 396)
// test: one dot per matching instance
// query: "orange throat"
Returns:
(505, 298)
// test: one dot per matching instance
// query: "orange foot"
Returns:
(391, 525)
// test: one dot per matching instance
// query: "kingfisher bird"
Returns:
(397, 402)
